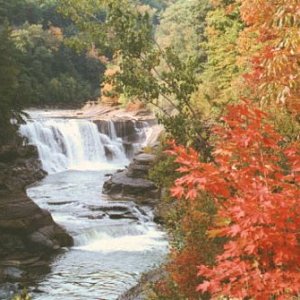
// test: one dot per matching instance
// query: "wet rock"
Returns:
(19, 167)
(122, 215)
(108, 208)
(60, 202)
(108, 153)
(96, 216)
(126, 186)
(125, 128)
(7, 290)
(144, 159)
(113, 212)
(143, 288)
(13, 273)
(28, 234)
(24, 225)
(133, 182)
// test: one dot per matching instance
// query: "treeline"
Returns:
(50, 72)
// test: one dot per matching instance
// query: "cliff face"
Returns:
(19, 167)
(28, 234)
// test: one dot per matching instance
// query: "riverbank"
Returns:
(28, 234)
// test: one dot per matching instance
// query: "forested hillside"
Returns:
(50, 72)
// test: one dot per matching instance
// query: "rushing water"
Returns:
(114, 241)
(72, 144)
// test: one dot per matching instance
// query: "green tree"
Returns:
(129, 34)
(220, 78)
(10, 94)
(182, 27)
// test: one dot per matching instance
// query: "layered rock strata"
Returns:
(133, 183)
(28, 234)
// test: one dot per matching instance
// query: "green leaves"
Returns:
(152, 74)
(9, 71)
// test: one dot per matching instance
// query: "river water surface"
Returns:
(114, 241)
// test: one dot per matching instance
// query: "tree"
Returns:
(10, 95)
(255, 186)
(271, 43)
(129, 34)
(220, 79)
(182, 26)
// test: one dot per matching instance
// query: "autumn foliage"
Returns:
(191, 247)
(271, 43)
(254, 182)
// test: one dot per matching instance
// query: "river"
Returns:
(115, 241)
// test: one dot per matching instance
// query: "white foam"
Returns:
(129, 243)
(73, 144)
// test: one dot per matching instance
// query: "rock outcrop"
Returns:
(143, 289)
(28, 234)
(127, 129)
(133, 183)
(19, 167)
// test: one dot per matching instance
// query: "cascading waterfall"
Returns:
(115, 241)
(73, 144)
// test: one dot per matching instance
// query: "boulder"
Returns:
(23, 225)
(133, 182)
(19, 167)
(143, 288)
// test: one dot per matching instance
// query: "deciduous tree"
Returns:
(255, 185)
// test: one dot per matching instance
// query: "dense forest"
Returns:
(223, 79)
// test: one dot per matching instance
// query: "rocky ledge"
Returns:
(19, 167)
(143, 289)
(28, 234)
(133, 183)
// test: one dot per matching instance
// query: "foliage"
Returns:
(274, 68)
(39, 34)
(23, 296)
(163, 173)
(129, 34)
(187, 225)
(10, 100)
(219, 80)
(182, 27)
(255, 186)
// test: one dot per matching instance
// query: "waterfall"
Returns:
(73, 144)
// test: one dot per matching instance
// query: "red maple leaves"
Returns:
(255, 185)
